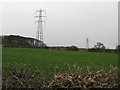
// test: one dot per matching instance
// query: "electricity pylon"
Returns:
(87, 43)
(39, 22)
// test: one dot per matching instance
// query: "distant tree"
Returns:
(99, 45)
(0, 39)
(118, 48)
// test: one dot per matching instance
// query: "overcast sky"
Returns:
(67, 23)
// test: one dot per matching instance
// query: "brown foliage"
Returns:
(72, 78)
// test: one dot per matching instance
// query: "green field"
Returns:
(46, 59)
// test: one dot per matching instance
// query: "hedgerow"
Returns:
(23, 77)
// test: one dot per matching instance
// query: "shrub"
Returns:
(72, 48)
(118, 48)
(77, 77)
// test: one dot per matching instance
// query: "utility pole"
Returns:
(39, 22)
(87, 43)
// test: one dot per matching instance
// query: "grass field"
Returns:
(45, 59)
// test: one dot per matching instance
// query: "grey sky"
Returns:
(68, 23)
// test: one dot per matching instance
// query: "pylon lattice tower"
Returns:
(87, 43)
(39, 22)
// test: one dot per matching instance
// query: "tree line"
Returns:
(100, 47)
(19, 41)
(27, 42)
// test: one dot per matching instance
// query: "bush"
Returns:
(72, 48)
(118, 48)
(77, 77)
